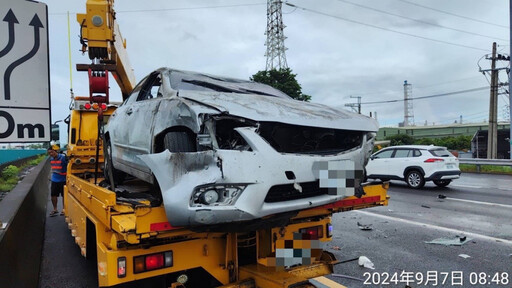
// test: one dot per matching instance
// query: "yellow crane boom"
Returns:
(101, 38)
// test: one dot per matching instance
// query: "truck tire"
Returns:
(442, 183)
(177, 141)
(111, 173)
(414, 179)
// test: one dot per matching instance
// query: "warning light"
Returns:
(87, 106)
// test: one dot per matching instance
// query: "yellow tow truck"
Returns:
(130, 238)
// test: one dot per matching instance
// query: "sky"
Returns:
(338, 48)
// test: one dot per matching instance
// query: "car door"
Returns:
(135, 136)
(377, 166)
(400, 160)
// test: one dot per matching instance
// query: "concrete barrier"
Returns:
(21, 242)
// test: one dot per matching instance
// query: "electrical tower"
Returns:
(408, 109)
(276, 58)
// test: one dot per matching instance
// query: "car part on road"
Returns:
(365, 227)
(365, 262)
(454, 241)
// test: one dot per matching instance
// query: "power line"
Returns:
(191, 8)
(453, 14)
(385, 29)
(420, 21)
(176, 9)
(430, 96)
(418, 87)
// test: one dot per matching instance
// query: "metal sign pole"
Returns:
(510, 84)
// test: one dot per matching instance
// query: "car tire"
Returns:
(442, 183)
(177, 141)
(415, 179)
(111, 173)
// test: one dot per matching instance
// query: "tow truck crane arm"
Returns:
(101, 38)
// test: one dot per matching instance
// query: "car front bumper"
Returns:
(180, 174)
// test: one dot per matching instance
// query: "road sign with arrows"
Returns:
(24, 72)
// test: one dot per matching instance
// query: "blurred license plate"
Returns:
(450, 166)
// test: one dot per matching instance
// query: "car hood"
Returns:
(275, 109)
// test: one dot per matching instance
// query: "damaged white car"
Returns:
(226, 150)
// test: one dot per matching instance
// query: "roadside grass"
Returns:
(486, 169)
(9, 175)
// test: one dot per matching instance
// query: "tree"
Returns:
(400, 139)
(282, 79)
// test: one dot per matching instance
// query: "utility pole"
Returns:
(276, 58)
(492, 132)
(354, 105)
(510, 84)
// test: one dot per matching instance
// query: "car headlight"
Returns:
(209, 197)
(216, 194)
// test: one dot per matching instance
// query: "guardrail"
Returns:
(496, 162)
(480, 162)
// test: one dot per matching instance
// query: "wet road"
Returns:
(478, 207)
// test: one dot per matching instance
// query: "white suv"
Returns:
(414, 164)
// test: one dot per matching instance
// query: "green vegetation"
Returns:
(9, 175)
(486, 169)
(400, 139)
(451, 143)
(282, 79)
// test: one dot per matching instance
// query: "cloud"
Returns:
(333, 58)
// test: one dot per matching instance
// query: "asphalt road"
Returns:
(478, 207)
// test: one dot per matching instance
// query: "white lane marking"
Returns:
(479, 202)
(467, 186)
(471, 234)
(481, 187)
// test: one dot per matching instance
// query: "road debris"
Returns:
(336, 248)
(455, 241)
(441, 196)
(465, 256)
(365, 262)
(365, 227)
(425, 206)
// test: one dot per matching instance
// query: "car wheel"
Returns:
(111, 173)
(179, 142)
(442, 183)
(415, 179)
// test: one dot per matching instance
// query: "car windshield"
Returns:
(181, 80)
(440, 152)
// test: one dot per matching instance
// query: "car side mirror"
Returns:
(372, 157)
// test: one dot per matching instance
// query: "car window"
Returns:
(402, 153)
(151, 88)
(384, 154)
(417, 153)
(135, 93)
(440, 152)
